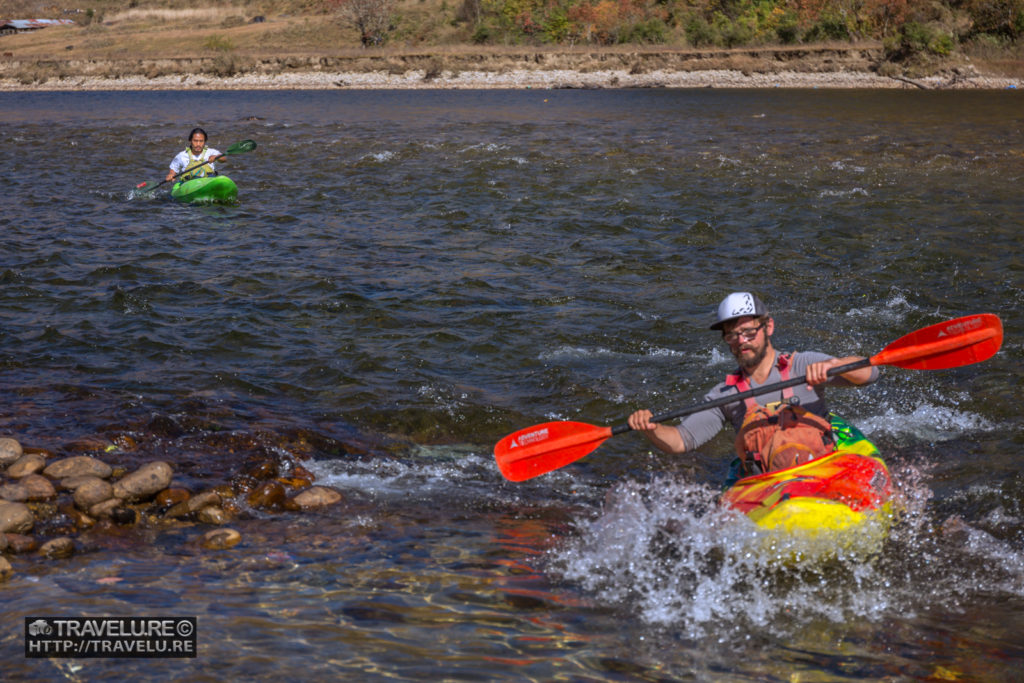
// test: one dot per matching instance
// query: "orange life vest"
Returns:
(781, 434)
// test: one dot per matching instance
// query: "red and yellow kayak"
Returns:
(844, 497)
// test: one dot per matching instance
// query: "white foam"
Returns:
(675, 557)
(855, 191)
(926, 422)
(893, 310)
(379, 156)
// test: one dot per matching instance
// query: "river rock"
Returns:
(194, 504)
(225, 491)
(19, 544)
(79, 518)
(14, 492)
(316, 496)
(72, 483)
(105, 508)
(92, 491)
(295, 482)
(39, 487)
(78, 466)
(6, 570)
(261, 469)
(144, 482)
(220, 539)
(123, 516)
(170, 497)
(202, 500)
(177, 510)
(10, 451)
(213, 515)
(15, 517)
(302, 473)
(58, 548)
(30, 463)
(269, 496)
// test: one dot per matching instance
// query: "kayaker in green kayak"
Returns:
(774, 430)
(196, 154)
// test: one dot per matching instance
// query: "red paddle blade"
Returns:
(962, 341)
(142, 184)
(535, 450)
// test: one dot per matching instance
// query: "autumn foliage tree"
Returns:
(372, 18)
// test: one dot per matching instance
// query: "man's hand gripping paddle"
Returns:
(542, 448)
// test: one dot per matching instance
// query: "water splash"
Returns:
(926, 422)
(666, 551)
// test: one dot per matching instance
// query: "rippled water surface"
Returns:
(409, 276)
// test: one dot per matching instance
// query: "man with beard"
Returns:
(747, 328)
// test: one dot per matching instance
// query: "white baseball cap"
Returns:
(738, 305)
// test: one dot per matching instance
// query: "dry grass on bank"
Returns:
(236, 35)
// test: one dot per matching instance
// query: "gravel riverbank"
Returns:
(516, 79)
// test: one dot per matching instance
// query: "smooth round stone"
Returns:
(78, 466)
(26, 465)
(221, 539)
(315, 497)
(91, 492)
(58, 548)
(10, 451)
(15, 518)
(144, 482)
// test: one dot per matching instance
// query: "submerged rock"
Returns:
(202, 500)
(170, 497)
(6, 570)
(213, 515)
(269, 496)
(123, 516)
(78, 517)
(194, 504)
(220, 539)
(19, 544)
(58, 548)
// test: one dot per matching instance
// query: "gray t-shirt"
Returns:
(699, 428)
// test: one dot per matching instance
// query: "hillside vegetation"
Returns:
(917, 35)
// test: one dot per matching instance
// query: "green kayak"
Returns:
(218, 188)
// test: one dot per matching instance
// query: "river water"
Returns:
(409, 276)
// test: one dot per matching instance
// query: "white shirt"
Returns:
(184, 158)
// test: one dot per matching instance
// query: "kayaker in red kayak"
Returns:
(197, 154)
(774, 430)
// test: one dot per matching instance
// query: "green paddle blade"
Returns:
(241, 147)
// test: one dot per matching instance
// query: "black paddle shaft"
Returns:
(744, 395)
(237, 148)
